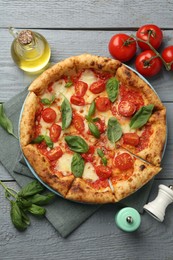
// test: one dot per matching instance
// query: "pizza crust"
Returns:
(70, 66)
(143, 173)
(130, 78)
(82, 191)
(28, 119)
(41, 166)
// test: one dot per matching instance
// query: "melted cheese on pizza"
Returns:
(89, 172)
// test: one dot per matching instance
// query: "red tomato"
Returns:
(75, 78)
(134, 98)
(49, 88)
(78, 101)
(101, 125)
(49, 115)
(126, 108)
(103, 172)
(98, 86)
(89, 155)
(122, 47)
(151, 32)
(80, 88)
(123, 161)
(131, 139)
(167, 55)
(146, 65)
(55, 131)
(103, 104)
(78, 122)
(54, 154)
(102, 74)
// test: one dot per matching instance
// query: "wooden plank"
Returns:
(65, 44)
(85, 14)
(97, 237)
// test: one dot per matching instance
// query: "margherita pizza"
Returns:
(92, 129)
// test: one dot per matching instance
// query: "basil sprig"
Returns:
(112, 87)
(47, 101)
(27, 200)
(77, 165)
(68, 84)
(5, 122)
(45, 138)
(92, 127)
(141, 117)
(102, 156)
(77, 143)
(66, 112)
(114, 131)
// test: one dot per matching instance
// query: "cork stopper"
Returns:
(25, 37)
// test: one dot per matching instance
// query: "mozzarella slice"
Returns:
(89, 172)
(64, 164)
(88, 77)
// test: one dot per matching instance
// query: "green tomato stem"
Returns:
(167, 65)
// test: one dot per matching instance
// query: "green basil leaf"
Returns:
(38, 139)
(114, 131)
(77, 165)
(47, 101)
(5, 122)
(94, 130)
(23, 203)
(48, 141)
(101, 154)
(96, 119)
(92, 109)
(37, 210)
(66, 112)
(31, 189)
(141, 117)
(77, 144)
(112, 87)
(25, 217)
(68, 84)
(16, 217)
(40, 199)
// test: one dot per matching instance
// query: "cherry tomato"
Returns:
(78, 101)
(89, 155)
(126, 108)
(123, 161)
(78, 122)
(49, 115)
(55, 131)
(134, 98)
(101, 125)
(103, 74)
(54, 154)
(49, 88)
(103, 104)
(151, 32)
(167, 55)
(75, 78)
(131, 139)
(98, 86)
(147, 65)
(122, 47)
(80, 88)
(103, 172)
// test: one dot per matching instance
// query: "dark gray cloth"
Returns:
(64, 215)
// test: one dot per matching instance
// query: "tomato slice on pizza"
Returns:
(83, 123)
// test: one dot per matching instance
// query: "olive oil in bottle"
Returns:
(30, 50)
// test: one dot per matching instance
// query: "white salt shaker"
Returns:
(157, 207)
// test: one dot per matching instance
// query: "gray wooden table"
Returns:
(72, 28)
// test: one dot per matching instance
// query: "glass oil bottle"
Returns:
(30, 50)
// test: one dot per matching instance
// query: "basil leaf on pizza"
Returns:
(94, 130)
(114, 131)
(92, 109)
(47, 101)
(45, 138)
(77, 143)
(77, 165)
(102, 156)
(66, 112)
(112, 87)
(68, 84)
(141, 117)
